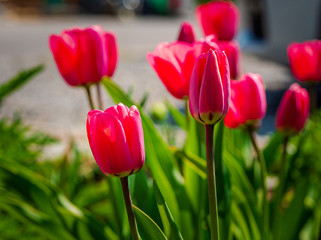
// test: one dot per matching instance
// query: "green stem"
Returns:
(186, 112)
(280, 190)
(129, 208)
(212, 199)
(260, 158)
(90, 100)
(100, 102)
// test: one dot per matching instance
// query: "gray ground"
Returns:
(50, 105)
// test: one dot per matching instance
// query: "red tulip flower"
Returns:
(218, 17)
(209, 92)
(305, 60)
(186, 33)
(174, 62)
(116, 140)
(248, 101)
(293, 110)
(84, 56)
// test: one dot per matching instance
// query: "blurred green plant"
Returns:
(18, 81)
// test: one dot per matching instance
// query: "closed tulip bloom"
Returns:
(305, 60)
(84, 56)
(293, 110)
(186, 33)
(248, 101)
(174, 62)
(209, 93)
(116, 140)
(220, 18)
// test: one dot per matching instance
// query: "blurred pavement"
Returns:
(50, 105)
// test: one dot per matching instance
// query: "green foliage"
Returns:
(18, 81)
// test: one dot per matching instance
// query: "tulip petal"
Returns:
(63, 50)
(195, 85)
(111, 52)
(225, 75)
(135, 138)
(169, 75)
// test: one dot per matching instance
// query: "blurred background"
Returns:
(48, 104)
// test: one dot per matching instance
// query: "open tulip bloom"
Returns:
(84, 55)
(116, 140)
(248, 102)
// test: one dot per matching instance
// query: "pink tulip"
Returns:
(174, 62)
(84, 56)
(209, 92)
(293, 110)
(186, 33)
(248, 101)
(218, 17)
(116, 140)
(233, 53)
(305, 60)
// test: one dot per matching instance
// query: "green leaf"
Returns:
(297, 214)
(17, 81)
(240, 226)
(148, 228)
(170, 227)
(197, 163)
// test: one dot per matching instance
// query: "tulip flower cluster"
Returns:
(205, 73)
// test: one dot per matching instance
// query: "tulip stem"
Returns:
(211, 183)
(280, 189)
(100, 102)
(186, 112)
(129, 208)
(90, 100)
(260, 158)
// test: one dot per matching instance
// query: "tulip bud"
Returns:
(305, 60)
(248, 101)
(116, 140)
(220, 18)
(186, 33)
(209, 92)
(293, 110)
(84, 56)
